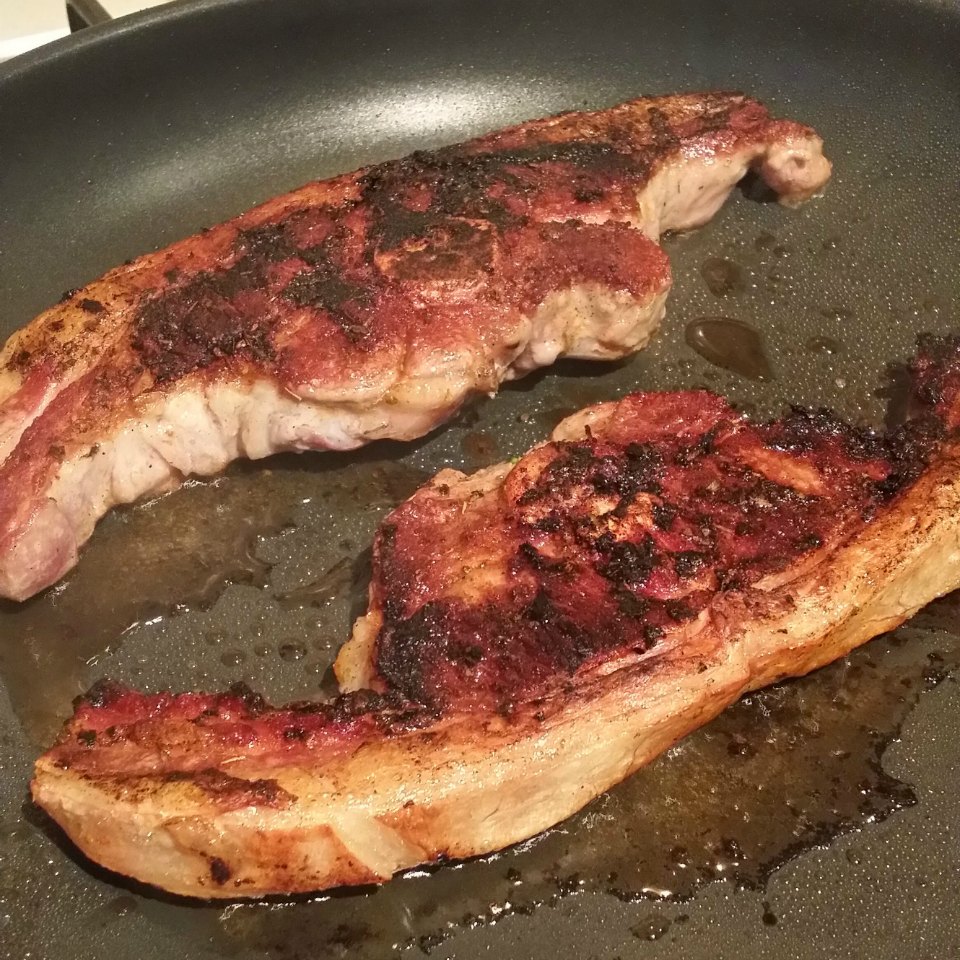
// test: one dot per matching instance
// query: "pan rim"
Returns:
(73, 44)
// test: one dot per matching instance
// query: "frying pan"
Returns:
(130, 135)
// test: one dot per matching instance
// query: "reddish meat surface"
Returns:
(367, 306)
(536, 632)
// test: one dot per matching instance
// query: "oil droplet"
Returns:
(764, 240)
(837, 313)
(548, 419)
(824, 345)
(730, 344)
(480, 447)
(326, 588)
(292, 652)
(723, 277)
(232, 658)
(830, 243)
(769, 917)
(261, 649)
(651, 928)
(123, 905)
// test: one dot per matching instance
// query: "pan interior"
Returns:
(133, 136)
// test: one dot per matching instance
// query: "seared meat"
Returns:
(367, 306)
(536, 632)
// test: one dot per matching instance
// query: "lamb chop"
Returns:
(363, 307)
(536, 632)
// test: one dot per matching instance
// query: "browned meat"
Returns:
(536, 632)
(367, 306)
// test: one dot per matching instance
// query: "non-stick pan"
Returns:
(818, 819)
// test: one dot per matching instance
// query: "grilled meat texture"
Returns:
(536, 632)
(366, 306)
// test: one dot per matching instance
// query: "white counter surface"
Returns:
(25, 24)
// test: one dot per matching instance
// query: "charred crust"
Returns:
(20, 360)
(325, 288)
(587, 193)
(663, 515)
(91, 306)
(630, 604)
(935, 372)
(233, 792)
(189, 327)
(220, 873)
(804, 430)
(529, 554)
(625, 562)
(408, 647)
(663, 132)
(688, 563)
(652, 633)
(101, 695)
(679, 610)
(253, 702)
(548, 524)
(270, 242)
(729, 580)
(540, 607)
(468, 654)
(809, 541)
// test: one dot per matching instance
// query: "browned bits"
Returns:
(220, 873)
(188, 328)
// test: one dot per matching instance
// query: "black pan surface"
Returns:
(814, 820)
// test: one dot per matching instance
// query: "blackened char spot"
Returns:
(100, 695)
(688, 562)
(460, 183)
(663, 515)
(270, 242)
(220, 873)
(630, 604)
(625, 561)
(325, 288)
(652, 633)
(187, 328)
(533, 556)
(679, 610)
(662, 130)
(452, 249)
(540, 607)
(253, 701)
(408, 647)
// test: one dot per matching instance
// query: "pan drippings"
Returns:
(179, 554)
(784, 770)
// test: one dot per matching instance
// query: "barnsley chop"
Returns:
(366, 306)
(536, 632)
